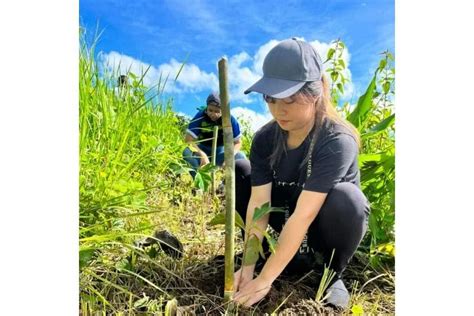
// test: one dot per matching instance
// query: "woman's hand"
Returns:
(253, 291)
(243, 276)
(204, 159)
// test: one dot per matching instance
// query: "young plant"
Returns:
(328, 275)
(203, 177)
(252, 245)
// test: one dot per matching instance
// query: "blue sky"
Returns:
(160, 34)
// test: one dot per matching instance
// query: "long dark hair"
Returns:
(323, 109)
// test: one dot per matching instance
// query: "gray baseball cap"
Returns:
(287, 67)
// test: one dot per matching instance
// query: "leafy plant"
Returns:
(252, 244)
(374, 118)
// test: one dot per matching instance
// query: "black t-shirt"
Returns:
(334, 160)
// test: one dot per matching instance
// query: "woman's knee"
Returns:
(243, 186)
(242, 168)
(187, 152)
(240, 155)
(347, 200)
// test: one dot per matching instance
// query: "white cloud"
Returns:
(191, 78)
(115, 63)
(186, 116)
(244, 70)
(240, 77)
(255, 119)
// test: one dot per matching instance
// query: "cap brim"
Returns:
(277, 88)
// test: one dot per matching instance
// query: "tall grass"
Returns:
(130, 147)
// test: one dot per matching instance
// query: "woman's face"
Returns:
(214, 112)
(293, 114)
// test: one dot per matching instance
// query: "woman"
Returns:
(200, 132)
(305, 160)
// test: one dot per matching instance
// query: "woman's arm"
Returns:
(237, 145)
(307, 208)
(259, 195)
(191, 140)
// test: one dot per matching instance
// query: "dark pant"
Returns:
(340, 225)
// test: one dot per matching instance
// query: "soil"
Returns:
(294, 294)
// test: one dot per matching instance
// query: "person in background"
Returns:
(122, 81)
(200, 133)
(305, 162)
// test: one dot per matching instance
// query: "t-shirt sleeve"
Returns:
(194, 127)
(331, 163)
(260, 160)
(235, 128)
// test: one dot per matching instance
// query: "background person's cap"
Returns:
(287, 67)
(213, 99)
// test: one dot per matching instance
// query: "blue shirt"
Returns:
(202, 129)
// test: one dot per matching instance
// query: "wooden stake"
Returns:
(229, 182)
(214, 149)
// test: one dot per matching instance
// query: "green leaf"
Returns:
(141, 302)
(265, 209)
(181, 68)
(330, 54)
(340, 87)
(380, 127)
(218, 219)
(342, 63)
(199, 181)
(251, 251)
(386, 87)
(203, 177)
(382, 64)
(372, 158)
(271, 241)
(373, 225)
(358, 116)
(208, 168)
(239, 221)
(85, 256)
(260, 211)
(334, 75)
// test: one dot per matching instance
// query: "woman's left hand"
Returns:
(253, 291)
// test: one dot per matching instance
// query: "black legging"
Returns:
(340, 225)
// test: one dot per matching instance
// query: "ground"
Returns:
(143, 283)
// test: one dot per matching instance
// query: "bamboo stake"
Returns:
(214, 149)
(229, 182)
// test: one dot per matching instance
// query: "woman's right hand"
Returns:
(243, 276)
(204, 159)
